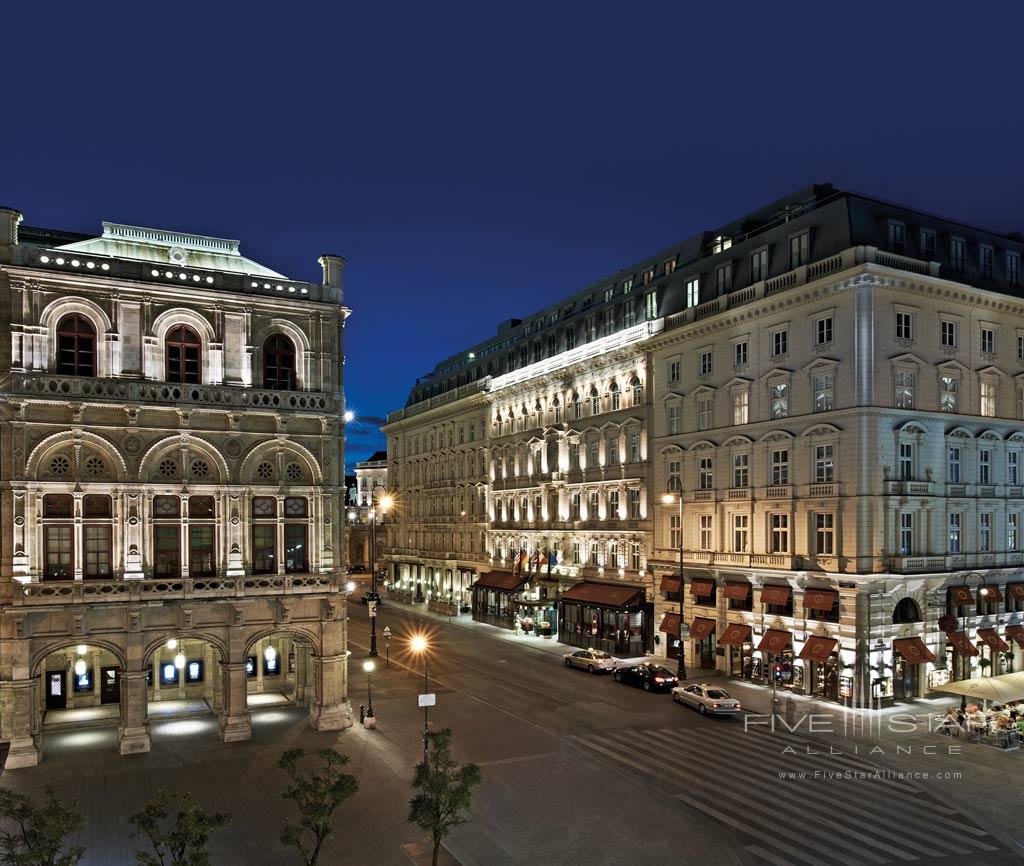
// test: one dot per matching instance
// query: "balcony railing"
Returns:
(143, 391)
(143, 591)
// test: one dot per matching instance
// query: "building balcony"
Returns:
(734, 493)
(908, 488)
(171, 589)
(121, 391)
(779, 491)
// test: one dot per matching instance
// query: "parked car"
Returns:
(357, 569)
(594, 661)
(707, 699)
(372, 596)
(649, 677)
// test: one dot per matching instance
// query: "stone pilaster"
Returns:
(133, 731)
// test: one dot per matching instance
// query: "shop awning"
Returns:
(702, 588)
(960, 595)
(670, 584)
(1017, 590)
(1016, 632)
(670, 624)
(913, 650)
(775, 641)
(603, 594)
(992, 593)
(818, 649)
(820, 599)
(961, 643)
(505, 581)
(735, 634)
(1004, 689)
(990, 637)
(775, 594)
(738, 591)
(701, 627)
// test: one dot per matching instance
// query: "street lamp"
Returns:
(384, 504)
(419, 645)
(965, 661)
(668, 499)
(368, 666)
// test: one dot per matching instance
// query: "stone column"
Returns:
(234, 721)
(329, 709)
(21, 697)
(133, 730)
(301, 673)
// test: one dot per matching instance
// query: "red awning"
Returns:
(993, 640)
(961, 644)
(1016, 632)
(506, 581)
(603, 594)
(702, 588)
(775, 641)
(701, 627)
(775, 594)
(737, 590)
(670, 584)
(735, 634)
(913, 650)
(992, 593)
(818, 649)
(1017, 589)
(960, 595)
(820, 599)
(670, 624)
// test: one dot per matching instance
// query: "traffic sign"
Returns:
(387, 631)
(427, 700)
(372, 605)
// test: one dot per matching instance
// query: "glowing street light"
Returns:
(350, 416)
(368, 666)
(418, 644)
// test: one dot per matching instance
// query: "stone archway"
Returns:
(280, 665)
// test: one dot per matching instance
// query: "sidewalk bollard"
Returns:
(362, 713)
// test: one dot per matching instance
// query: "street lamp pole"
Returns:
(668, 498)
(419, 644)
(384, 503)
(368, 667)
(965, 664)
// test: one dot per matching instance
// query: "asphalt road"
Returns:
(581, 769)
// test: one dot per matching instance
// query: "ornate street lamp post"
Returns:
(684, 630)
(384, 504)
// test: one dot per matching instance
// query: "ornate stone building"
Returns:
(172, 495)
(366, 536)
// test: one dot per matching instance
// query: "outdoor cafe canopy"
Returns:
(1003, 689)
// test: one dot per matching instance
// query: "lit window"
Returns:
(740, 407)
(954, 532)
(949, 396)
(692, 292)
(904, 389)
(780, 400)
(988, 399)
(824, 392)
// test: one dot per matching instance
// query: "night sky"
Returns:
(476, 162)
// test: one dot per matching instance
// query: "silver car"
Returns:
(707, 699)
(589, 660)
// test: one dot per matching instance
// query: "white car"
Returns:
(707, 699)
(589, 660)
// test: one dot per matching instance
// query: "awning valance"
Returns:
(670, 584)
(820, 599)
(670, 624)
(913, 649)
(775, 641)
(505, 581)
(1016, 632)
(603, 594)
(818, 649)
(735, 634)
(961, 643)
(775, 594)
(1017, 590)
(960, 595)
(990, 637)
(738, 591)
(992, 593)
(702, 588)
(701, 627)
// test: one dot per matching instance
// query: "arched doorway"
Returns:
(279, 670)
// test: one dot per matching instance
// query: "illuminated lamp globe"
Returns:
(418, 643)
(269, 653)
(668, 499)
(368, 666)
(80, 667)
(179, 661)
(82, 649)
(172, 643)
(349, 415)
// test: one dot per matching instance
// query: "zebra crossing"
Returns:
(751, 783)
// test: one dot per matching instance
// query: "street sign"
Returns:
(372, 605)
(387, 631)
(427, 700)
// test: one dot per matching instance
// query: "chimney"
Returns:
(9, 220)
(333, 267)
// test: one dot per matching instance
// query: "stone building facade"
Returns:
(367, 536)
(172, 495)
(831, 397)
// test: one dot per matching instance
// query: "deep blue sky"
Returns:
(474, 162)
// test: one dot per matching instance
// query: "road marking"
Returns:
(520, 759)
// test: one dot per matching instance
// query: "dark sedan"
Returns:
(651, 678)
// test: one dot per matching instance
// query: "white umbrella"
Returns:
(1004, 689)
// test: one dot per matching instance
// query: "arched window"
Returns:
(906, 610)
(614, 401)
(638, 392)
(595, 402)
(184, 356)
(279, 363)
(76, 346)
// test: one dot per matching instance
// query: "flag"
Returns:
(552, 561)
(513, 554)
(524, 560)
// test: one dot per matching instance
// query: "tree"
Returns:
(181, 840)
(317, 795)
(445, 790)
(39, 832)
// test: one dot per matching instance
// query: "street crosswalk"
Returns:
(792, 802)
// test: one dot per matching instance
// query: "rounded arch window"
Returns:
(638, 391)
(279, 363)
(183, 350)
(906, 611)
(265, 470)
(76, 346)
